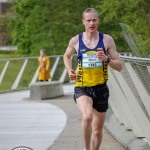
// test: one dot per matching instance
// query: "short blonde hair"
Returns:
(90, 10)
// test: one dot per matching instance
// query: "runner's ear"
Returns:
(83, 21)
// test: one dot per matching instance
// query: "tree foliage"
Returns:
(49, 24)
(21, 28)
(135, 13)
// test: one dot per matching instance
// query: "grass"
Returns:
(28, 74)
(9, 54)
(11, 74)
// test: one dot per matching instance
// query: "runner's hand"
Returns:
(101, 55)
(72, 74)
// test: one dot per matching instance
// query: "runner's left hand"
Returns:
(101, 55)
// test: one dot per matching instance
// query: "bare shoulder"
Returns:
(109, 42)
(72, 46)
(108, 38)
(74, 42)
(110, 46)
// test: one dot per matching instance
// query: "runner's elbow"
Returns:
(66, 56)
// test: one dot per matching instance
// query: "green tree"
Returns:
(135, 13)
(21, 27)
(47, 24)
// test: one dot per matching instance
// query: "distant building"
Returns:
(5, 39)
(4, 1)
(4, 7)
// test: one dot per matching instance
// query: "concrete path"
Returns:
(38, 124)
(28, 123)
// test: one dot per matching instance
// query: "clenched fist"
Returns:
(72, 74)
(101, 55)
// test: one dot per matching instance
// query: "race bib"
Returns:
(91, 61)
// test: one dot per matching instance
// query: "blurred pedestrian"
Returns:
(44, 64)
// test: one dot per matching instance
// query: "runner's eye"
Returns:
(94, 20)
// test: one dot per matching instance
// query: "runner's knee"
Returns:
(97, 133)
(87, 118)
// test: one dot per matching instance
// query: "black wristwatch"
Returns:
(108, 59)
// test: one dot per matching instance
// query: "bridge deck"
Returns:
(38, 124)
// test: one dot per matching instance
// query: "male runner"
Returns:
(95, 51)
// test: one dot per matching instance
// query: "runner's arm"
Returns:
(67, 58)
(115, 61)
(68, 54)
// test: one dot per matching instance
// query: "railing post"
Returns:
(134, 110)
(119, 101)
(35, 76)
(4, 71)
(54, 67)
(148, 67)
(140, 88)
(62, 78)
(16, 83)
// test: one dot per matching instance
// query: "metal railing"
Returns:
(130, 95)
(18, 73)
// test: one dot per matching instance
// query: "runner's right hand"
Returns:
(72, 74)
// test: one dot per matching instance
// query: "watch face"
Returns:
(108, 59)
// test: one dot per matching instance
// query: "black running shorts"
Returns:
(98, 93)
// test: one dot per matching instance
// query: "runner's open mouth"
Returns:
(91, 27)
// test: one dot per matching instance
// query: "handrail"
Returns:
(135, 59)
(32, 57)
(123, 56)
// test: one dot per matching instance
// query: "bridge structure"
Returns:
(128, 117)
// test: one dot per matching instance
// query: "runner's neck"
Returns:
(90, 40)
(91, 36)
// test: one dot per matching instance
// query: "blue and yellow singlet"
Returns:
(91, 70)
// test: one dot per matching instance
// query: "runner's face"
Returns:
(91, 22)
